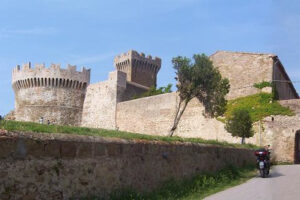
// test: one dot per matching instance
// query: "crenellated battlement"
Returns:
(138, 67)
(132, 54)
(54, 76)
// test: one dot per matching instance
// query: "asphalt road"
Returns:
(282, 184)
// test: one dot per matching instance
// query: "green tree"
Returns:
(153, 91)
(240, 124)
(199, 79)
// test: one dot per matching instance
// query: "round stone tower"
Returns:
(52, 93)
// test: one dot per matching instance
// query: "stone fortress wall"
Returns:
(53, 93)
(154, 115)
(109, 104)
(134, 75)
(57, 166)
(280, 132)
(245, 69)
(99, 109)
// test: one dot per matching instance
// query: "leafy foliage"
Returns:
(262, 84)
(196, 187)
(240, 124)
(259, 106)
(153, 91)
(201, 80)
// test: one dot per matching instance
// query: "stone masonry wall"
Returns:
(56, 166)
(58, 105)
(243, 70)
(53, 93)
(154, 116)
(139, 68)
(281, 132)
(132, 90)
(99, 109)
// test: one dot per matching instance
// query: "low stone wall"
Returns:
(57, 166)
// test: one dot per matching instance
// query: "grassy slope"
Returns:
(41, 128)
(259, 106)
(197, 187)
(204, 185)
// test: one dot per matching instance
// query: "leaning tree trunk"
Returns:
(178, 115)
(243, 140)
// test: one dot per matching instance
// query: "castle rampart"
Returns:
(99, 109)
(139, 68)
(53, 76)
(64, 96)
(53, 93)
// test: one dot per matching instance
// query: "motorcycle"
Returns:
(263, 162)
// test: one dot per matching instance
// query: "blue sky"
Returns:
(91, 32)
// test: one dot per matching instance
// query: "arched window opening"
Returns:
(84, 86)
(63, 82)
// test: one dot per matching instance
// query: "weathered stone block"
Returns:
(113, 149)
(85, 150)
(35, 148)
(8, 146)
(99, 149)
(68, 149)
(52, 149)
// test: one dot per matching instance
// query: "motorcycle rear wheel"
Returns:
(262, 173)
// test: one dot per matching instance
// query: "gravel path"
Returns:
(282, 184)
